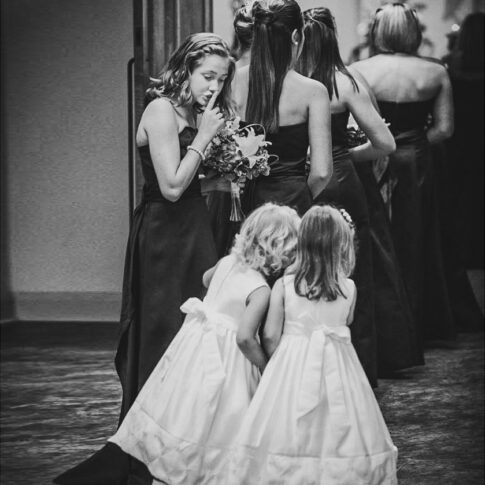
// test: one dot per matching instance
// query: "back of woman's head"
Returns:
(325, 253)
(470, 42)
(243, 27)
(320, 57)
(174, 79)
(395, 28)
(274, 22)
(267, 240)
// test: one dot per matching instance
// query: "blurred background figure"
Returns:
(410, 91)
(466, 70)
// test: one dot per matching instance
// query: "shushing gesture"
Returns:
(212, 119)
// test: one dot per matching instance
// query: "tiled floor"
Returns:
(60, 398)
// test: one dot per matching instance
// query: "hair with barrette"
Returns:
(320, 57)
(325, 253)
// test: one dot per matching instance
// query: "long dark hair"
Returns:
(324, 255)
(320, 58)
(271, 56)
(174, 80)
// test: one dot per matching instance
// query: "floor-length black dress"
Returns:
(345, 190)
(169, 248)
(415, 219)
(397, 336)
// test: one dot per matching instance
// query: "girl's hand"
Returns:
(211, 120)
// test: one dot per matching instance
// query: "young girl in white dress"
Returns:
(314, 419)
(189, 410)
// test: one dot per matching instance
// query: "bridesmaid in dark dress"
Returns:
(170, 244)
(410, 90)
(293, 110)
(392, 342)
(216, 190)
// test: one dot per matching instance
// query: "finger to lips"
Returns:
(211, 102)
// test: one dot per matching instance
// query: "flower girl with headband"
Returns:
(188, 412)
(314, 419)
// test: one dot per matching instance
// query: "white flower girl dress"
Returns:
(190, 409)
(314, 419)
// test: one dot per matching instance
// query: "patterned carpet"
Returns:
(60, 398)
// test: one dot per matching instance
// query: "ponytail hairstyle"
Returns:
(395, 28)
(325, 253)
(271, 57)
(243, 28)
(174, 80)
(320, 57)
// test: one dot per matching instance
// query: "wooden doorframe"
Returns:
(159, 26)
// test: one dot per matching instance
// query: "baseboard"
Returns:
(67, 306)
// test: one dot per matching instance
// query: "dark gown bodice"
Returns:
(151, 189)
(286, 183)
(290, 145)
(406, 116)
(339, 135)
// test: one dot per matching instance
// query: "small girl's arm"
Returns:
(273, 328)
(256, 308)
(350, 317)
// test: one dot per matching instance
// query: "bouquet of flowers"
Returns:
(238, 154)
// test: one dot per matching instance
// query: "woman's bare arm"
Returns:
(321, 163)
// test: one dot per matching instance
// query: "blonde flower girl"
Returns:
(190, 409)
(314, 419)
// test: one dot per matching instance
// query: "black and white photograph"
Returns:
(242, 242)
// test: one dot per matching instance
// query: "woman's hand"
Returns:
(211, 120)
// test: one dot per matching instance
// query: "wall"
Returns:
(65, 127)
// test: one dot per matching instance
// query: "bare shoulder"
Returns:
(278, 287)
(346, 86)
(363, 66)
(308, 88)
(159, 108)
(241, 76)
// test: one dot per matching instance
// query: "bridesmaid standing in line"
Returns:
(294, 110)
(217, 190)
(410, 90)
(321, 60)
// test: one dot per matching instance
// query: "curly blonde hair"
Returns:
(267, 240)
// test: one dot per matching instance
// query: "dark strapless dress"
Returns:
(398, 345)
(415, 219)
(169, 248)
(345, 190)
(287, 182)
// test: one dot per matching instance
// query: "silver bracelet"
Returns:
(196, 150)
